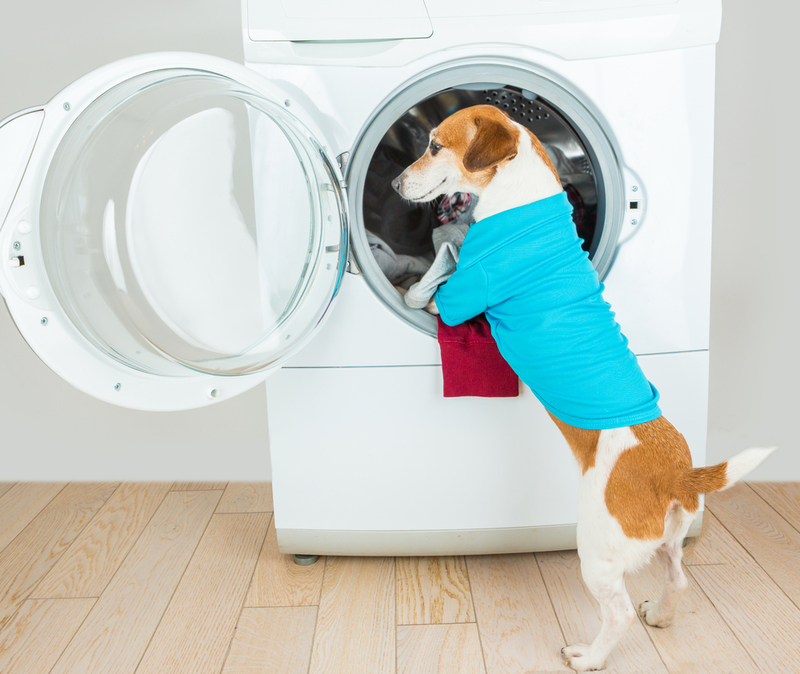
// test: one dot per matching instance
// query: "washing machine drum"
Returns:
(188, 222)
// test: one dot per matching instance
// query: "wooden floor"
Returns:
(186, 578)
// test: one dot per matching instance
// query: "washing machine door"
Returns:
(173, 229)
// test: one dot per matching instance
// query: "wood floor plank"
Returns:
(713, 546)
(36, 549)
(784, 497)
(356, 628)
(272, 641)
(699, 641)
(196, 630)
(516, 620)
(85, 569)
(20, 503)
(439, 649)
(246, 497)
(119, 627)
(4, 487)
(184, 580)
(433, 590)
(278, 581)
(758, 612)
(771, 540)
(762, 617)
(199, 486)
(32, 640)
(579, 616)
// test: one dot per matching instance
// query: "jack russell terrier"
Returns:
(523, 266)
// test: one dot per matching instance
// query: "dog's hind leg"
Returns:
(606, 581)
(661, 613)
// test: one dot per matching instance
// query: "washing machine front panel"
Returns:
(178, 225)
(403, 471)
(658, 112)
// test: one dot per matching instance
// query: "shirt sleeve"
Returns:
(463, 296)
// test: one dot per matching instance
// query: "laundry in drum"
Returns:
(400, 233)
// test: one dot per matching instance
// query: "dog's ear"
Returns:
(492, 143)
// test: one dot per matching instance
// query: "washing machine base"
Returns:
(425, 543)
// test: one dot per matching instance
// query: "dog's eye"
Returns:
(435, 147)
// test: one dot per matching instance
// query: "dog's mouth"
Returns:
(427, 194)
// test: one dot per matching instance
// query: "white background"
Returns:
(755, 308)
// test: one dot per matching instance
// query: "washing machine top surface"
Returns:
(369, 34)
(175, 230)
(344, 20)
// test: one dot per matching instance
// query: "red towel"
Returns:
(472, 364)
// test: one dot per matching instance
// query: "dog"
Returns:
(638, 492)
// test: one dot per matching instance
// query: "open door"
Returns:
(173, 229)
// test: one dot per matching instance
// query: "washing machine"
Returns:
(178, 228)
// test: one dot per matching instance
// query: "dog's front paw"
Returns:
(578, 657)
(650, 612)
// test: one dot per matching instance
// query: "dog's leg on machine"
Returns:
(661, 613)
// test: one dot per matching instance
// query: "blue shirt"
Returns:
(526, 270)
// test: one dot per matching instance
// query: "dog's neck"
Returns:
(523, 180)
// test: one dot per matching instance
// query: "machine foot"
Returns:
(305, 560)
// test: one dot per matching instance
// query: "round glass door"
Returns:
(393, 238)
(192, 224)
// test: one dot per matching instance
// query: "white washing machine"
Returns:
(175, 227)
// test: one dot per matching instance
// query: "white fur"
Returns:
(523, 180)
(741, 464)
(440, 177)
(606, 554)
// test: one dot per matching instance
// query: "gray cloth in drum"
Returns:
(447, 241)
(397, 268)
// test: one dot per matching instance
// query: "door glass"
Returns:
(182, 225)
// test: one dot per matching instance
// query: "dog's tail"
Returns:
(726, 474)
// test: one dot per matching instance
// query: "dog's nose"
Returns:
(397, 182)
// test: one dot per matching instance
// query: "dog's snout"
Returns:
(397, 183)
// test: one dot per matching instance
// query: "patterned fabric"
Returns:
(452, 206)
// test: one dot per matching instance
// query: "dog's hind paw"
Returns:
(577, 650)
(577, 657)
(650, 612)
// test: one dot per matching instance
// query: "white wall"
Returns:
(755, 301)
(755, 321)
(49, 431)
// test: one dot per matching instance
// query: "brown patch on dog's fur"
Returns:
(706, 480)
(480, 139)
(582, 442)
(648, 478)
(645, 480)
(483, 137)
(492, 144)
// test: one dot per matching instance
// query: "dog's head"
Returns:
(464, 154)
